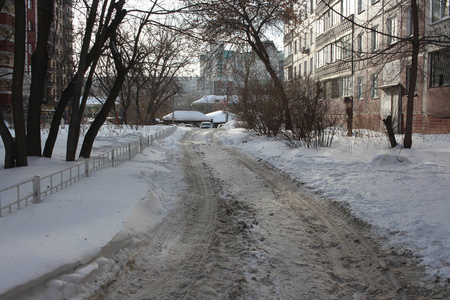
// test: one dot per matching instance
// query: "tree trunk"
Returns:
(8, 141)
(388, 123)
(56, 121)
(39, 64)
(85, 62)
(91, 134)
(20, 143)
(407, 143)
(2, 3)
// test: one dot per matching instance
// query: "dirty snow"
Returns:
(80, 236)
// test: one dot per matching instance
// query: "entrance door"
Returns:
(390, 107)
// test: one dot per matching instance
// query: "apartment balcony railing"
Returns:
(288, 60)
(345, 26)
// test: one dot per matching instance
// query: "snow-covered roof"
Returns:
(186, 115)
(220, 116)
(97, 100)
(210, 99)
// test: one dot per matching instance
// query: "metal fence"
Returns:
(35, 189)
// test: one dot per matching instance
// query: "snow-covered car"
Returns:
(206, 125)
(189, 125)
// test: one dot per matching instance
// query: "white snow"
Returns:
(220, 116)
(210, 99)
(214, 99)
(78, 237)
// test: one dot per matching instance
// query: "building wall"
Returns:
(368, 63)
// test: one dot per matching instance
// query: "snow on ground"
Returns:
(115, 208)
(403, 193)
(95, 224)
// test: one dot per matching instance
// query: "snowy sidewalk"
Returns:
(116, 208)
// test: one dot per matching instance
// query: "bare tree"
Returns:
(168, 55)
(20, 152)
(111, 15)
(238, 22)
(39, 64)
(126, 54)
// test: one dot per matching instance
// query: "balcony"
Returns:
(288, 60)
(288, 37)
(345, 26)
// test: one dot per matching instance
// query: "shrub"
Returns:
(313, 120)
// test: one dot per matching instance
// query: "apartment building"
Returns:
(7, 49)
(359, 51)
(60, 51)
(61, 66)
(222, 71)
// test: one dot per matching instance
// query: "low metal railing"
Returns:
(33, 190)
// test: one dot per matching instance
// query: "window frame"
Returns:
(374, 87)
(374, 39)
(361, 6)
(391, 30)
(439, 61)
(360, 88)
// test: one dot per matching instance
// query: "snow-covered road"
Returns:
(242, 230)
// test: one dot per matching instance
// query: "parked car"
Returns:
(206, 125)
(189, 125)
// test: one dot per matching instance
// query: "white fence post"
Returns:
(130, 155)
(86, 168)
(36, 189)
(112, 158)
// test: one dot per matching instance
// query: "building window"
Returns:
(320, 26)
(374, 87)
(347, 86)
(439, 10)
(319, 59)
(346, 46)
(347, 8)
(391, 30)
(374, 38)
(360, 87)
(311, 65)
(306, 39)
(295, 47)
(30, 4)
(440, 72)
(375, 1)
(361, 6)
(327, 54)
(295, 72)
(336, 14)
(305, 71)
(409, 23)
(359, 45)
(300, 70)
(311, 36)
(289, 73)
